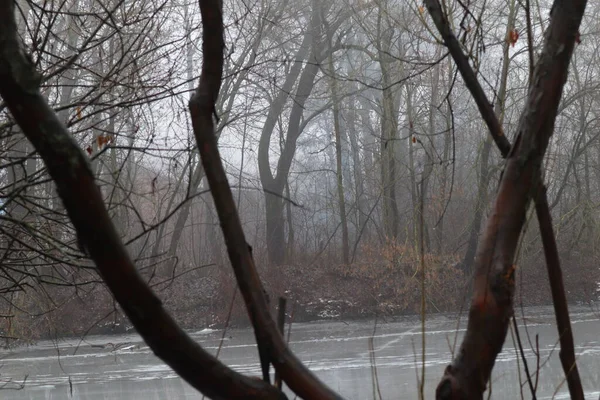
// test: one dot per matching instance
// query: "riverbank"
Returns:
(382, 288)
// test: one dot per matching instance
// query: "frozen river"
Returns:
(338, 352)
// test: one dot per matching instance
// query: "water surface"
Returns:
(123, 367)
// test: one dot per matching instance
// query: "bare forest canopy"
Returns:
(359, 158)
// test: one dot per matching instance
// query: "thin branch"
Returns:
(522, 352)
(468, 74)
(529, 39)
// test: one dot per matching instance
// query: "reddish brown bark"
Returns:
(567, 352)
(491, 306)
(68, 166)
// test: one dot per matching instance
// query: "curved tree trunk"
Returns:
(273, 185)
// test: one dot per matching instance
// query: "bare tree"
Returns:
(491, 306)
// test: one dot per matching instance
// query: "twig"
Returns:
(227, 320)
(512, 335)
(525, 366)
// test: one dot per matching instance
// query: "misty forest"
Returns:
(275, 199)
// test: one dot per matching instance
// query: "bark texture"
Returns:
(491, 306)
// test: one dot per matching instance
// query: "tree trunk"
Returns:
(447, 138)
(338, 159)
(275, 229)
(358, 170)
(414, 195)
(423, 232)
(491, 306)
(291, 242)
(389, 127)
(274, 185)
